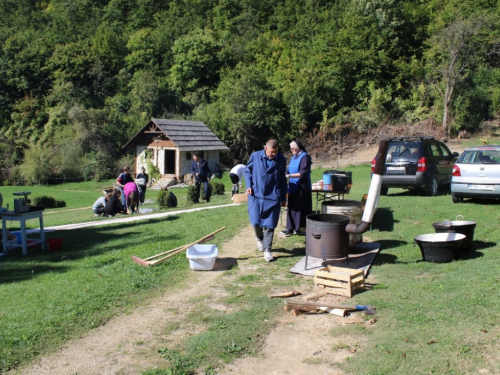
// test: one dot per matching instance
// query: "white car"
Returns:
(476, 174)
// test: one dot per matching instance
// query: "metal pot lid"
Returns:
(453, 223)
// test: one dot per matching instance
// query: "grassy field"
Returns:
(432, 318)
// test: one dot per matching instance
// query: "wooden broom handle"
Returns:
(172, 250)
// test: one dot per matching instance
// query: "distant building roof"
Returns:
(186, 135)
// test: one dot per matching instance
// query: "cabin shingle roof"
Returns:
(186, 135)
(190, 135)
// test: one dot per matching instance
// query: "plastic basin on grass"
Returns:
(202, 257)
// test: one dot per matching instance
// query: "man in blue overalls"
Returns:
(266, 188)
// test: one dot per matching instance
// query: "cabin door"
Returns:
(170, 162)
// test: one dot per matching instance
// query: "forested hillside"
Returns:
(79, 77)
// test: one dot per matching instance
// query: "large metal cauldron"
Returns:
(459, 226)
(440, 247)
(326, 237)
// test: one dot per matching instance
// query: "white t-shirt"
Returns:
(238, 170)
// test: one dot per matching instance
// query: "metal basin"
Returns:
(440, 247)
(458, 226)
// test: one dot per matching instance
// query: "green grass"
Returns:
(432, 318)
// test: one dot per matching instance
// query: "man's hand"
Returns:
(283, 204)
(249, 191)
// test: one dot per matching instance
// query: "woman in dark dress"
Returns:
(299, 189)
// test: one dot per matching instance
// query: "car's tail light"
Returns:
(422, 165)
(373, 164)
(456, 171)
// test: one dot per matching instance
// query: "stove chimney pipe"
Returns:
(373, 192)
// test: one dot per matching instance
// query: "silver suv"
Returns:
(417, 163)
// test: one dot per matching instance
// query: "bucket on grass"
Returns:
(54, 244)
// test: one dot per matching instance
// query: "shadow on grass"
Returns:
(387, 258)
(479, 245)
(78, 244)
(23, 272)
(383, 220)
(443, 191)
(482, 202)
(295, 252)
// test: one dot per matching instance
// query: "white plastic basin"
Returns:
(202, 257)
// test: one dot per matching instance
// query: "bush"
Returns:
(217, 188)
(47, 202)
(191, 194)
(166, 199)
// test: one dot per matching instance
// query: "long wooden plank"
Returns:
(177, 248)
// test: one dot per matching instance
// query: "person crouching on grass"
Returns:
(99, 204)
(113, 205)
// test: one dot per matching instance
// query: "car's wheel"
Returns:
(434, 186)
(384, 190)
(454, 198)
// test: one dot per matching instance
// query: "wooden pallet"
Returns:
(342, 281)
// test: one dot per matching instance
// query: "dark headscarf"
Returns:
(299, 145)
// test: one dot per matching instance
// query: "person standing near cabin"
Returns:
(142, 180)
(266, 188)
(121, 181)
(236, 174)
(299, 189)
(201, 173)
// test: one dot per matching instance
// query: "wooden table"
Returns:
(323, 195)
(22, 217)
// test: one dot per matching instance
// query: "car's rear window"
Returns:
(403, 150)
(480, 157)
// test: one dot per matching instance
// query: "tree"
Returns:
(455, 52)
(248, 111)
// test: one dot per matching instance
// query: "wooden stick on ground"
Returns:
(177, 248)
(171, 253)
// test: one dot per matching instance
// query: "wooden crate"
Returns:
(341, 281)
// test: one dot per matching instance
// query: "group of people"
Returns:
(269, 183)
(126, 197)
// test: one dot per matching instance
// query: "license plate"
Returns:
(481, 187)
(395, 168)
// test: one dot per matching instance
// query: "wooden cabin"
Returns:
(171, 143)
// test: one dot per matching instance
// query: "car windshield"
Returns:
(403, 150)
(480, 157)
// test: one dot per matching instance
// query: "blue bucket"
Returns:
(327, 179)
(18, 236)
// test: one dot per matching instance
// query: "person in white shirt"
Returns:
(99, 204)
(236, 174)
